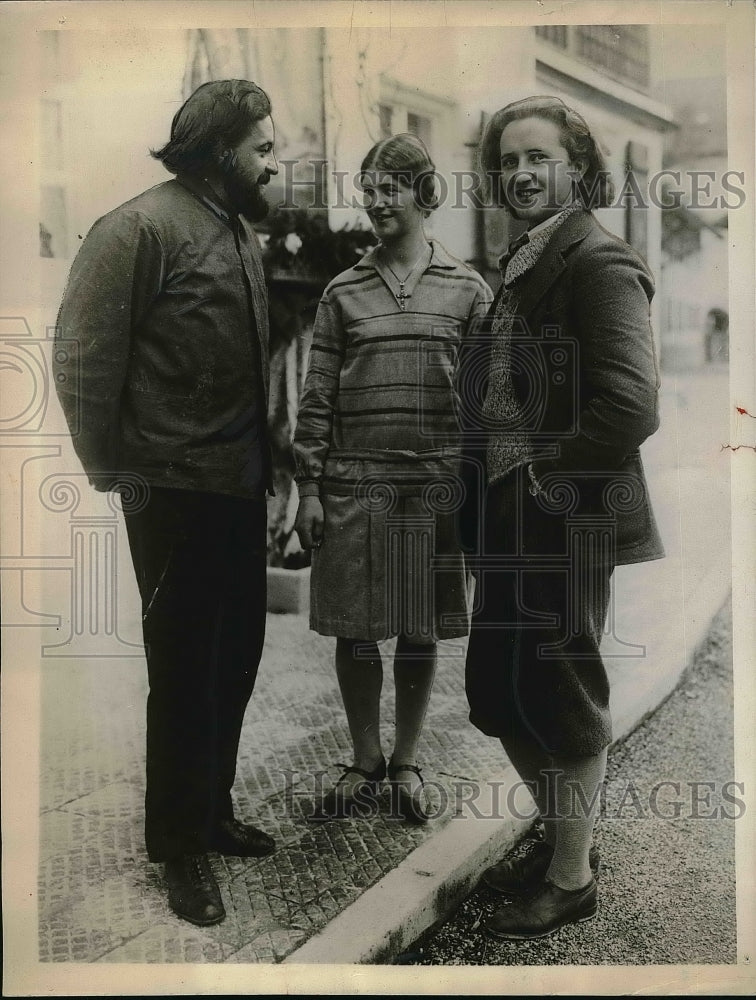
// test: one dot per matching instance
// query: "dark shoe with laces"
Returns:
(405, 804)
(548, 909)
(359, 803)
(193, 893)
(518, 876)
(241, 840)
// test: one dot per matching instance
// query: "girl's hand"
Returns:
(309, 522)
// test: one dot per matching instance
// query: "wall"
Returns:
(449, 76)
(117, 94)
(471, 73)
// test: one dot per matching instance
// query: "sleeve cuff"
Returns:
(308, 488)
(535, 487)
(540, 468)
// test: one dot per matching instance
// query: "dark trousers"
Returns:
(534, 669)
(200, 561)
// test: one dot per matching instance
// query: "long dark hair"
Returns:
(216, 117)
(595, 187)
(405, 157)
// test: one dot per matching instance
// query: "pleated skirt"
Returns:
(380, 573)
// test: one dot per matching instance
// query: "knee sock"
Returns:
(536, 768)
(577, 798)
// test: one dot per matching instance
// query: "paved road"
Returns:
(667, 886)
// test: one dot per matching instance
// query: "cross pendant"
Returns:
(402, 297)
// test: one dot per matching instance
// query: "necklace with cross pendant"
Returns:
(402, 295)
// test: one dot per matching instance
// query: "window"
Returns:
(394, 118)
(385, 117)
(405, 108)
(420, 126)
(619, 50)
(556, 34)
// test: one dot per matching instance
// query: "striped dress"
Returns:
(377, 440)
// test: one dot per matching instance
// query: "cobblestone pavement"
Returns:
(99, 898)
(667, 881)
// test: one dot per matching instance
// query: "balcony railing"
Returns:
(622, 51)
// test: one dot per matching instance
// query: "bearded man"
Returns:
(162, 372)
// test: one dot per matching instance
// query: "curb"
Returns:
(436, 877)
(423, 888)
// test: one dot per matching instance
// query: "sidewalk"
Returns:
(359, 891)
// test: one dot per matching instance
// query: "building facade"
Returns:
(336, 92)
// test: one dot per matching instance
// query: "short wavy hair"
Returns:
(214, 119)
(406, 157)
(595, 187)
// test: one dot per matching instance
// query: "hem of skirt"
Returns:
(350, 630)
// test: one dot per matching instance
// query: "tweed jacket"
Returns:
(161, 353)
(586, 379)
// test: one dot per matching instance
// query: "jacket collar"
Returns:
(202, 190)
(552, 263)
(440, 257)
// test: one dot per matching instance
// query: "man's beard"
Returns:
(245, 195)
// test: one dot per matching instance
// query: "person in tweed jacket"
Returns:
(557, 397)
(377, 451)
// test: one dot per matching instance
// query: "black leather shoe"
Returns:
(193, 893)
(360, 803)
(548, 909)
(241, 839)
(405, 804)
(519, 876)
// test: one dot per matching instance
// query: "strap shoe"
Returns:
(519, 876)
(548, 909)
(359, 802)
(405, 804)
(193, 893)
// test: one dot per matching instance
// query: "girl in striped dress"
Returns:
(377, 455)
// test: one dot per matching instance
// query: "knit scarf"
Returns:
(508, 442)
